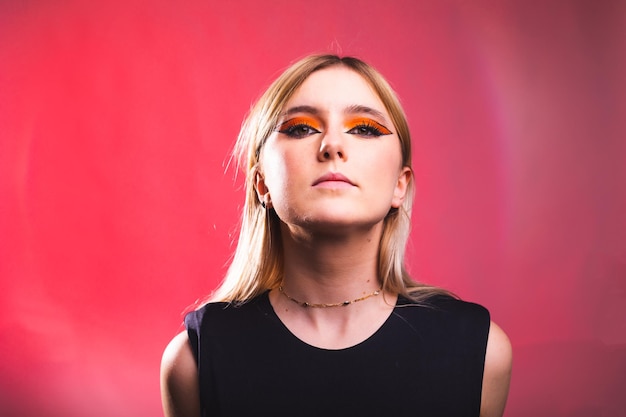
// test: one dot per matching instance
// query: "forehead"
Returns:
(336, 88)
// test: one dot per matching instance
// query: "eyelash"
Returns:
(291, 127)
(300, 128)
(368, 128)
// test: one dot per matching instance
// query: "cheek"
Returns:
(276, 169)
(386, 160)
(386, 170)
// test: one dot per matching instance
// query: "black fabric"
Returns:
(423, 361)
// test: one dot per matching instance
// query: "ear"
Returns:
(402, 186)
(262, 192)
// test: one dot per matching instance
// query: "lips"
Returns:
(332, 177)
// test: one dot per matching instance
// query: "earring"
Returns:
(263, 204)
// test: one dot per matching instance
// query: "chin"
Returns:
(336, 224)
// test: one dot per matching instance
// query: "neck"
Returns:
(330, 268)
(324, 269)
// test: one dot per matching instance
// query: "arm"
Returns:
(498, 361)
(179, 379)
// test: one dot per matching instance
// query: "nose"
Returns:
(332, 147)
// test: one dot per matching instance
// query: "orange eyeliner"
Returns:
(364, 121)
(301, 120)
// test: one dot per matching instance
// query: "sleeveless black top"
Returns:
(423, 361)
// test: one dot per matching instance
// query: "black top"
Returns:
(423, 361)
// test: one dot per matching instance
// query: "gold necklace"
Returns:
(325, 305)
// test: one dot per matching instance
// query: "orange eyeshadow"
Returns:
(296, 121)
(364, 121)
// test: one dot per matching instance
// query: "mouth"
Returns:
(333, 179)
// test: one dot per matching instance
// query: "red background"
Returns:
(117, 210)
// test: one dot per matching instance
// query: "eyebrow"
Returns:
(300, 109)
(357, 109)
(353, 109)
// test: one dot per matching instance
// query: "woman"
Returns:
(317, 315)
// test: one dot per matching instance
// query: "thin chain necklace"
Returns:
(325, 305)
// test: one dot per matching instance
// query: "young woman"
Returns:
(317, 315)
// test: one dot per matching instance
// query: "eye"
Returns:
(299, 128)
(299, 131)
(367, 128)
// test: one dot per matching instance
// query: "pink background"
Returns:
(117, 210)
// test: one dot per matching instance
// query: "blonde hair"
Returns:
(257, 263)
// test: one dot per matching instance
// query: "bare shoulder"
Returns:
(498, 363)
(179, 379)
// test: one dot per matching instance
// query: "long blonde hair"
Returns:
(257, 263)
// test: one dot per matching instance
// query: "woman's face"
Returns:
(334, 161)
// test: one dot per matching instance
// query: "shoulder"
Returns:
(180, 382)
(222, 312)
(226, 321)
(450, 303)
(497, 374)
(445, 307)
(469, 321)
(179, 379)
(447, 322)
(194, 319)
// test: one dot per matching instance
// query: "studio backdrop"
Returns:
(119, 204)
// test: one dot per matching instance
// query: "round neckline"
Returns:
(268, 305)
